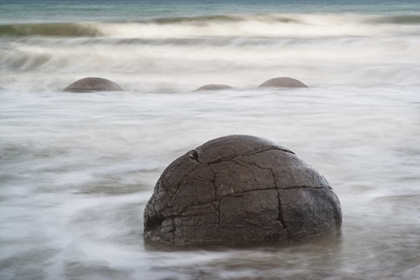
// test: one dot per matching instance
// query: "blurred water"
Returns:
(77, 169)
(181, 54)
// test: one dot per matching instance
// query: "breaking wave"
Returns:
(300, 25)
(324, 49)
(50, 29)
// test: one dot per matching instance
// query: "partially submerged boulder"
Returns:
(240, 190)
(283, 82)
(93, 84)
(214, 87)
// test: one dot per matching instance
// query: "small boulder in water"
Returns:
(240, 190)
(214, 87)
(285, 82)
(93, 84)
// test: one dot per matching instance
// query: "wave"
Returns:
(50, 29)
(406, 20)
(54, 62)
(274, 25)
(223, 19)
(288, 18)
(278, 26)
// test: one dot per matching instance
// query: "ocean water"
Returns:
(77, 169)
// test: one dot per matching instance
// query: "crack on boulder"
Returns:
(240, 163)
(256, 190)
(257, 151)
(301, 187)
(247, 191)
(194, 156)
(280, 217)
(178, 187)
(213, 182)
(268, 149)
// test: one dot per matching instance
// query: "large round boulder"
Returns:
(93, 84)
(214, 87)
(283, 82)
(240, 190)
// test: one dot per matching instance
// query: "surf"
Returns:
(272, 25)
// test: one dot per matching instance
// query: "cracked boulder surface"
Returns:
(240, 190)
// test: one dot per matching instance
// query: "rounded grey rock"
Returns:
(214, 87)
(240, 190)
(93, 84)
(283, 82)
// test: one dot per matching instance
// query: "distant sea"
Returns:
(77, 169)
(31, 11)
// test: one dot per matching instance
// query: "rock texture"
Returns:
(240, 190)
(284, 82)
(214, 87)
(93, 84)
